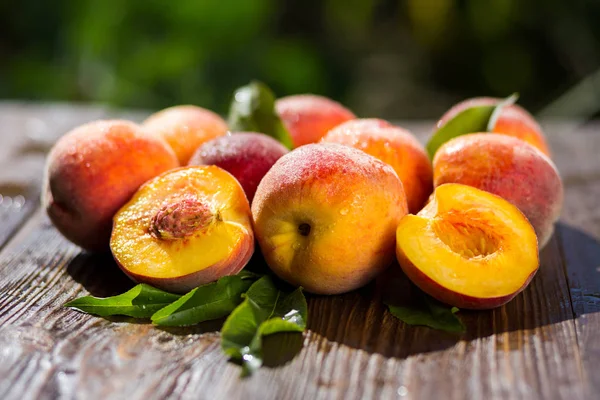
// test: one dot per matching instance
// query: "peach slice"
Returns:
(184, 228)
(468, 248)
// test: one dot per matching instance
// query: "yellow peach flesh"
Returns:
(470, 242)
(139, 250)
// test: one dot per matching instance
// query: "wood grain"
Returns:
(579, 234)
(540, 345)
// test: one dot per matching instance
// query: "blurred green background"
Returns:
(392, 59)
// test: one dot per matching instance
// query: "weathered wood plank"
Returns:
(353, 349)
(579, 234)
(19, 187)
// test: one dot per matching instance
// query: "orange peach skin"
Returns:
(325, 217)
(509, 168)
(196, 252)
(309, 117)
(394, 146)
(92, 171)
(513, 120)
(185, 128)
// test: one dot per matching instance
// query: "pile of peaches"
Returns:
(180, 200)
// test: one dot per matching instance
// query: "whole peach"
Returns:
(185, 128)
(245, 155)
(513, 120)
(309, 117)
(92, 171)
(394, 146)
(508, 167)
(325, 216)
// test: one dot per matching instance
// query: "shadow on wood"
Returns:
(581, 252)
(360, 320)
(203, 327)
(281, 348)
(99, 274)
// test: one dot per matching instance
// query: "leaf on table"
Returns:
(207, 302)
(426, 311)
(139, 302)
(253, 109)
(470, 120)
(265, 310)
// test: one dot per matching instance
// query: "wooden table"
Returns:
(543, 344)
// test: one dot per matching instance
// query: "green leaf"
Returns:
(211, 301)
(139, 302)
(512, 99)
(428, 312)
(253, 109)
(470, 120)
(264, 311)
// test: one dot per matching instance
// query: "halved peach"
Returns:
(184, 228)
(468, 248)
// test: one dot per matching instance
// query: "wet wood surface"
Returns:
(543, 344)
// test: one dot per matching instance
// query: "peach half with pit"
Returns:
(468, 248)
(325, 216)
(184, 228)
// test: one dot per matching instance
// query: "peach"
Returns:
(184, 228)
(246, 155)
(468, 248)
(394, 146)
(309, 117)
(508, 167)
(513, 120)
(325, 217)
(92, 171)
(185, 128)
(366, 123)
